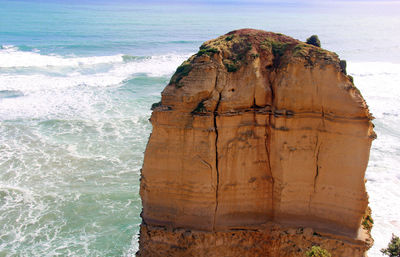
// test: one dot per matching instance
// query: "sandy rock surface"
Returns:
(257, 135)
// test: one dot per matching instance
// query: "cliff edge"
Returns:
(259, 148)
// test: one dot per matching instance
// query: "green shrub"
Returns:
(317, 251)
(343, 65)
(351, 78)
(393, 249)
(182, 71)
(301, 50)
(278, 48)
(230, 66)
(229, 38)
(314, 40)
(155, 105)
(367, 222)
(207, 51)
(253, 55)
(238, 53)
(184, 68)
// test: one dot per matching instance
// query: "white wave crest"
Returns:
(11, 57)
(72, 88)
(9, 47)
(30, 71)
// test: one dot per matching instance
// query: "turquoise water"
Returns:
(77, 81)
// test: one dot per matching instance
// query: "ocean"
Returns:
(77, 79)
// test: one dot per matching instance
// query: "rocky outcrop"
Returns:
(259, 148)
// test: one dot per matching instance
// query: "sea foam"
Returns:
(120, 65)
(36, 85)
(379, 83)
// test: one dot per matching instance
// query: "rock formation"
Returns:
(259, 148)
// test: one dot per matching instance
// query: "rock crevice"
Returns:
(216, 157)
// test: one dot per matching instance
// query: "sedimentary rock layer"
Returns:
(256, 128)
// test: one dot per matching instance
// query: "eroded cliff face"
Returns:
(257, 136)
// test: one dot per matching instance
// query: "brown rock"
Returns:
(256, 129)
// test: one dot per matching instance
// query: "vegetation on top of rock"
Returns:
(155, 105)
(314, 55)
(317, 251)
(229, 38)
(207, 51)
(237, 48)
(351, 78)
(278, 48)
(183, 68)
(234, 49)
(343, 65)
(239, 51)
(182, 71)
(393, 249)
(314, 40)
(300, 50)
(253, 55)
(231, 66)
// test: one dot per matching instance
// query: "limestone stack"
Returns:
(259, 148)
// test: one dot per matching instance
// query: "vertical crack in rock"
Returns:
(216, 153)
(267, 138)
(317, 151)
(318, 147)
(316, 167)
(267, 146)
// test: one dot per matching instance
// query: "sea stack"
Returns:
(259, 148)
